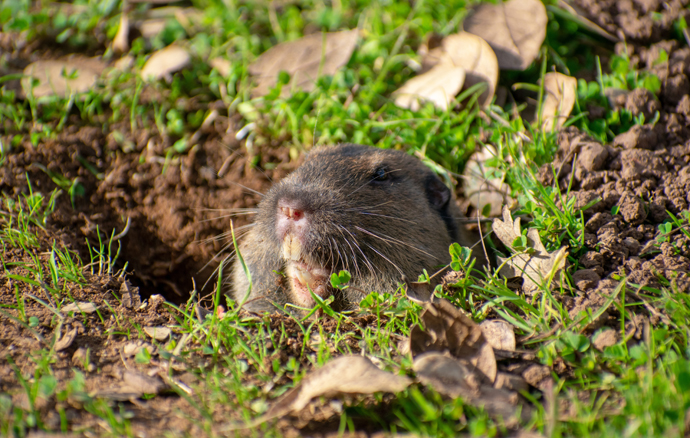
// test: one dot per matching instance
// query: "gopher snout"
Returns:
(292, 219)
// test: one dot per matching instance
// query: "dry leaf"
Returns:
(438, 86)
(560, 93)
(79, 306)
(304, 59)
(66, 340)
(446, 328)
(419, 292)
(448, 376)
(514, 29)
(577, 16)
(164, 62)
(223, 66)
(499, 334)
(154, 20)
(534, 268)
(134, 385)
(121, 40)
(472, 54)
(61, 77)
(481, 189)
(345, 374)
(129, 295)
(158, 333)
(151, 27)
(142, 382)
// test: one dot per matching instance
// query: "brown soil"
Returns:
(177, 209)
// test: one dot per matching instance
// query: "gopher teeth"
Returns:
(292, 248)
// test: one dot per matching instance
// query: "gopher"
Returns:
(379, 214)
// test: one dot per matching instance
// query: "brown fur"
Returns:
(347, 207)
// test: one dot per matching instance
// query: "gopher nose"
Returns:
(292, 219)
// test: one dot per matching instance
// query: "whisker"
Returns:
(385, 258)
(389, 239)
(239, 231)
(389, 217)
(248, 189)
(364, 257)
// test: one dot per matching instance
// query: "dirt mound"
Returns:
(641, 176)
(173, 214)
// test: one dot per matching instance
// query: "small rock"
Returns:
(510, 382)
(593, 156)
(604, 338)
(586, 279)
(675, 87)
(638, 137)
(499, 334)
(134, 347)
(632, 244)
(683, 106)
(591, 259)
(636, 163)
(158, 333)
(597, 221)
(632, 208)
(642, 101)
(535, 374)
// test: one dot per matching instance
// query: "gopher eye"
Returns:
(381, 174)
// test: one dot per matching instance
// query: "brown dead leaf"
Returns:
(66, 340)
(151, 27)
(481, 187)
(450, 377)
(153, 21)
(560, 93)
(142, 382)
(165, 62)
(438, 86)
(499, 334)
(447, 375)
(305, 59)
(79, 306)
(121, 40)
(61, 77)
(345, 374)
(577, 15)
(223, 66)
(129, 295)
(514, 29)
(419, 292)
(134, 385)
(470, 53)
(446, 328)
(535, 266)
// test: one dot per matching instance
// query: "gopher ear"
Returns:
(436, 192)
